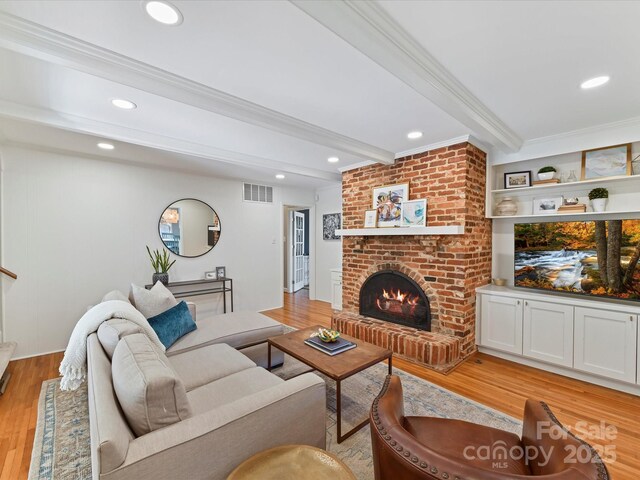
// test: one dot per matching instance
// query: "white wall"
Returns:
(74, 228)
(328, 252)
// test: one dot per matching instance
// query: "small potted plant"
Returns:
(598, 197)
(546, 173)
(161, 264)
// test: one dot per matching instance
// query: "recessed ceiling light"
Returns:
(414, 135)
(279, 176)
(122, 103)
(163, 12)
(594, 82)
(333, 159)
(105, 146)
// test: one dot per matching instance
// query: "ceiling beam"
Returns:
(74, 123)
(32, 39)
(370, 29)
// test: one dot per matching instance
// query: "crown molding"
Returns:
(74, 123)
(433, 146)
(41, 42)
(614, 133)
(370, 29)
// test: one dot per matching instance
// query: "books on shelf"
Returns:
(577, 208)
(546, 182)
(332, 348)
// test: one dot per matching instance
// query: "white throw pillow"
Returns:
(115, 295)
(152, 302)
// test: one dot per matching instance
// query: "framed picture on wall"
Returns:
(414, 213)
(387, 200)
(331, 223)
(370, 218)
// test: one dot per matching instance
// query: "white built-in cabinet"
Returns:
(501, 327)
(336, 289)
(592, 340)
(605, 343)
(548, 332)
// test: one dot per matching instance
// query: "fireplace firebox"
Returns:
(392, 296)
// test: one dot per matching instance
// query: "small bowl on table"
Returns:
(327, 335)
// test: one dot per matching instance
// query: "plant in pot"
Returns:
(161, 264)
(546, 173)
(598, 197)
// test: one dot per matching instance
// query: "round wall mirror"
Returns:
(189, 227)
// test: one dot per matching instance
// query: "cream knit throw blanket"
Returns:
(74, 364)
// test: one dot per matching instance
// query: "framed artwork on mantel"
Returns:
(387, 200)
(605, 162)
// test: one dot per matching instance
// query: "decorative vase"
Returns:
(572, 177)
(161, 277)
(546, 175)
(599, 204)
(507, 207)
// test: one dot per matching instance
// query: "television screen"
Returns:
(597, 257)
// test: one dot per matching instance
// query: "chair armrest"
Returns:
(212, 444)
(192, 310)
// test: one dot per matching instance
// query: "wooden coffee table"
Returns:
(337, 367)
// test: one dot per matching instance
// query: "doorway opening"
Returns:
(297, 245)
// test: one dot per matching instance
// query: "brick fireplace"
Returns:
(447, 268)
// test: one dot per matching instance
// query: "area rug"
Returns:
(61, 449)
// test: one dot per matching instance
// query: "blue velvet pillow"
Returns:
(173, 324)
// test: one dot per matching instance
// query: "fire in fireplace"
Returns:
(392, 296)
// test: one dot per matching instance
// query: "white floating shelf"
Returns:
(574, 214)
(370, 232)
(568, 185)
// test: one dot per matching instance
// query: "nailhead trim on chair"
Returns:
(393, 444)
(602, 470)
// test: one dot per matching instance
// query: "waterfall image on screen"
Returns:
(590, 258)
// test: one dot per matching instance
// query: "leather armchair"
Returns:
(408, 448)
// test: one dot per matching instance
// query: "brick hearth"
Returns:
(448, 268)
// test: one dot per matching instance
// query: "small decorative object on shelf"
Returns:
(370, 218)
(211, 275)
(546, 173)
(572, 205)
(572, 177)
(221, 272)
(606, 162)
(161, 265)
(507, 207)
(517, 179)
(547, 206)
(414, 213)
(598, 197)
(499, 282)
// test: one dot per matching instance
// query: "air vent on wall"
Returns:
(257, 193)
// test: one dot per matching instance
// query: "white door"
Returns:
(501, 323)
(605, 343)
(298, 251)
(548, 332)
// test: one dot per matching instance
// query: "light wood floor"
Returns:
(491, 381)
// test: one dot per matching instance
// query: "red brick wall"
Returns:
(452, 179)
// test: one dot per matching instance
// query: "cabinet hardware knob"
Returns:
(526, 303)
(518, 302)
(631, 318)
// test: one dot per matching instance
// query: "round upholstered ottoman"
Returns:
(292, 462)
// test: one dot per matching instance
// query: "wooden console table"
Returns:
(205, 286)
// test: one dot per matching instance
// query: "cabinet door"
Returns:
(336, 291)
(548, 332)
(605, 343)
(501, 323)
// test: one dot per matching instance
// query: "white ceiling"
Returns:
(495, 70)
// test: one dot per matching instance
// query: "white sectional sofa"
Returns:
(200, 409)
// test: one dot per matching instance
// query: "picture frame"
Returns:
(606, 162)
(330, 223)
(221, 273)
(517, 179)
(213, 275)
(414, 213)
(387, 200)
(547, 205)
(370, 218)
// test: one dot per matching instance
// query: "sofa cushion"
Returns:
(238, 330)
(111, 331)
(207, 364)
(150, 393)
(115, 295)
(231, 388)
(173, 324)
(152, 302)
